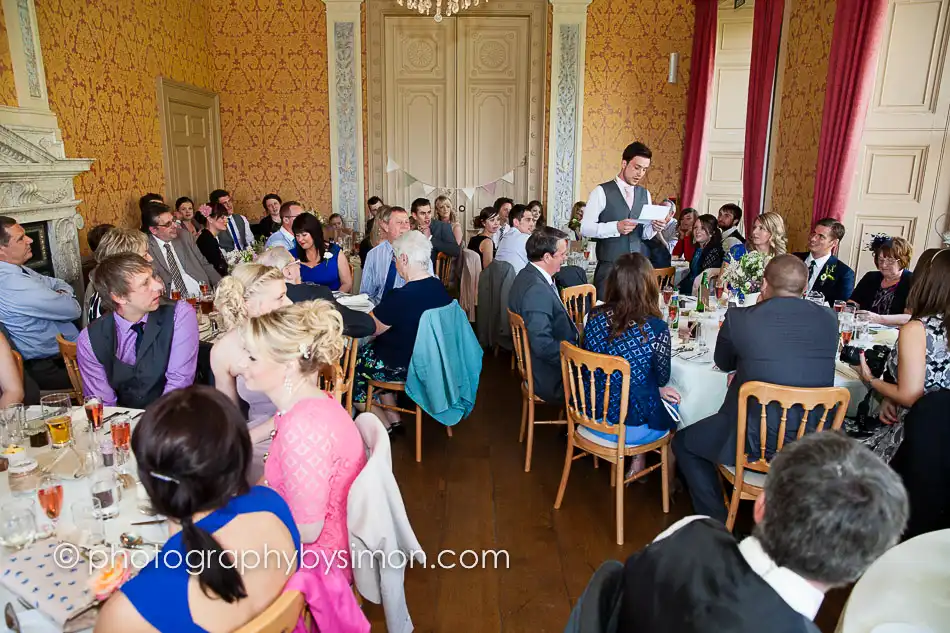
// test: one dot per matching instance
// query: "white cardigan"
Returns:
(378, 527)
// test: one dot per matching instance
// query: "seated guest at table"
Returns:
(284, 236)
(252, 289)
(535, 299)
(373, 205)
(630, 325)
(708, 253)
(503, 206)
(381, 275)
(117, 241)
(685, 247)
(882, 293)
(784, 340)
(34, 308)
(918, 363)
(271, 222)
(826, 273)
(511, 249)
(730, 223)
(95, 235)
(191, 449)
(577, 216)
(445, 212)
(355, 323)
(175, 256)
(829, 509)
(316, 451)
(185, 215)
(320, 263)
(482, 243)
(397, 316)
(239, 234)
(140, 349)
(11, 385)
(438, 232)
(207, 242)
(144, 203)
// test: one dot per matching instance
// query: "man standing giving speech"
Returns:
(612, 212)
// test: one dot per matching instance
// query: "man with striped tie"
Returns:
(238, 235)
(175, 256)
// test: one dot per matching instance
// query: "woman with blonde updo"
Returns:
(316, 451)
(250, 290)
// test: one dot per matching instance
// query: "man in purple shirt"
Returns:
(131, 356)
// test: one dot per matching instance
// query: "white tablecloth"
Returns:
(909, 585)
(79, 490)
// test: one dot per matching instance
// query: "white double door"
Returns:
(457, 110)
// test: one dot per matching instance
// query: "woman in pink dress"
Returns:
(317, 451)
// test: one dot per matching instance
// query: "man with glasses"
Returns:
(175, 256)
(826, 273)
(285, 236)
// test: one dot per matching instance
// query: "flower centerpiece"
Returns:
(246, 255)
(744, 275)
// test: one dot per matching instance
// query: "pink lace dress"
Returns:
(316, 453)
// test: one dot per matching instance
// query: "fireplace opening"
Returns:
(42, 259)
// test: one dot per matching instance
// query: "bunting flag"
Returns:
(391, 166)
(427, 189)
(489, 187)
(410, 179)
(509, 177)
(469, 192)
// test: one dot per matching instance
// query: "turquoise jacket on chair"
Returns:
(446, 364)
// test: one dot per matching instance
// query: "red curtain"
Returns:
(766, 33)
(701, 68)
(852, 63)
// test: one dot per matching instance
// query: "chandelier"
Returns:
(451, 6)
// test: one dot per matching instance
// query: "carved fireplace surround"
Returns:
(36, 178)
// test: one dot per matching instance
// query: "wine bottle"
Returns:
(703, 295)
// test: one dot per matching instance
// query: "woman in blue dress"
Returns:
(629, 325)
(320, 263)
(192, 451)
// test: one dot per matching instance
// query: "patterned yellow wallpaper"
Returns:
(626, 94)
(7, 81)
(803, 96)
(101, 71)
(270, 69)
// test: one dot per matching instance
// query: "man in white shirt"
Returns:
(612, 211)
(826, 273)
(239, 233)
(285, 236)
(730, 223)
(175, 256)
(503, 207)
(512, 248)
(829, 509)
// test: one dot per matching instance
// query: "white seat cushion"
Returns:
(584, 432)
(751, 477)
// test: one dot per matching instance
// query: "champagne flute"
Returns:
(50, 495)
(93, 406)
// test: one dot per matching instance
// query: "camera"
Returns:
(875, 357)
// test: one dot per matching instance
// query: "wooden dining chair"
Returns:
(338, 378)
(443, 268)
(665, 277)
(579, 366)
(579, 300)
(68, 350)
(748, 475)
(522, 356)
(281, 616)
(397, 387)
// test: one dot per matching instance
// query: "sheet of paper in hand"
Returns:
(653, 212)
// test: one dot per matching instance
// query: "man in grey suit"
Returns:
(438, 232)
(175, 256)
(238, 233)
(783, 340)
(535, 298)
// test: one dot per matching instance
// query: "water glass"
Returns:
(862, 329)
(87, 517)
(12, 419)
(57, 412)
(17, 524)
(108, 492)
(839, 305)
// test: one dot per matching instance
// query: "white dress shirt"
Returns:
(513, 249)
(591, 226)
(730, 237)
(819, 264)
(503, 230)
(193, 287)
(796, 591)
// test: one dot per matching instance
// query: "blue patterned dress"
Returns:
(647, 349)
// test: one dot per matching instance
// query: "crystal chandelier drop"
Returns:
(451, 6)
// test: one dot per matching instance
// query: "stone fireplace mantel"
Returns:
(36, 178)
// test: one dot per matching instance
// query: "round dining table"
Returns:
(31, 608)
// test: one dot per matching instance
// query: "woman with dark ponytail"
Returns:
(232, 547)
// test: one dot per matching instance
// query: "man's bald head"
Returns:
(785, 276)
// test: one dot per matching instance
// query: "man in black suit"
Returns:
(535, 298)
(783, 340)
(355, 323)
(826, 273)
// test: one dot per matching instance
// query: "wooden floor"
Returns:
(471, 493)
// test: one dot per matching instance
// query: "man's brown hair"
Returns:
(113, 276)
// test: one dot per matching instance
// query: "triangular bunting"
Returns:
(509, 177)
(427, 189)
(469, 192)
(490, 188)
(391, 166)
(410, 179)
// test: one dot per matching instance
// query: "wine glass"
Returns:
(50, 495)
(17, 524)
(93, 407)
